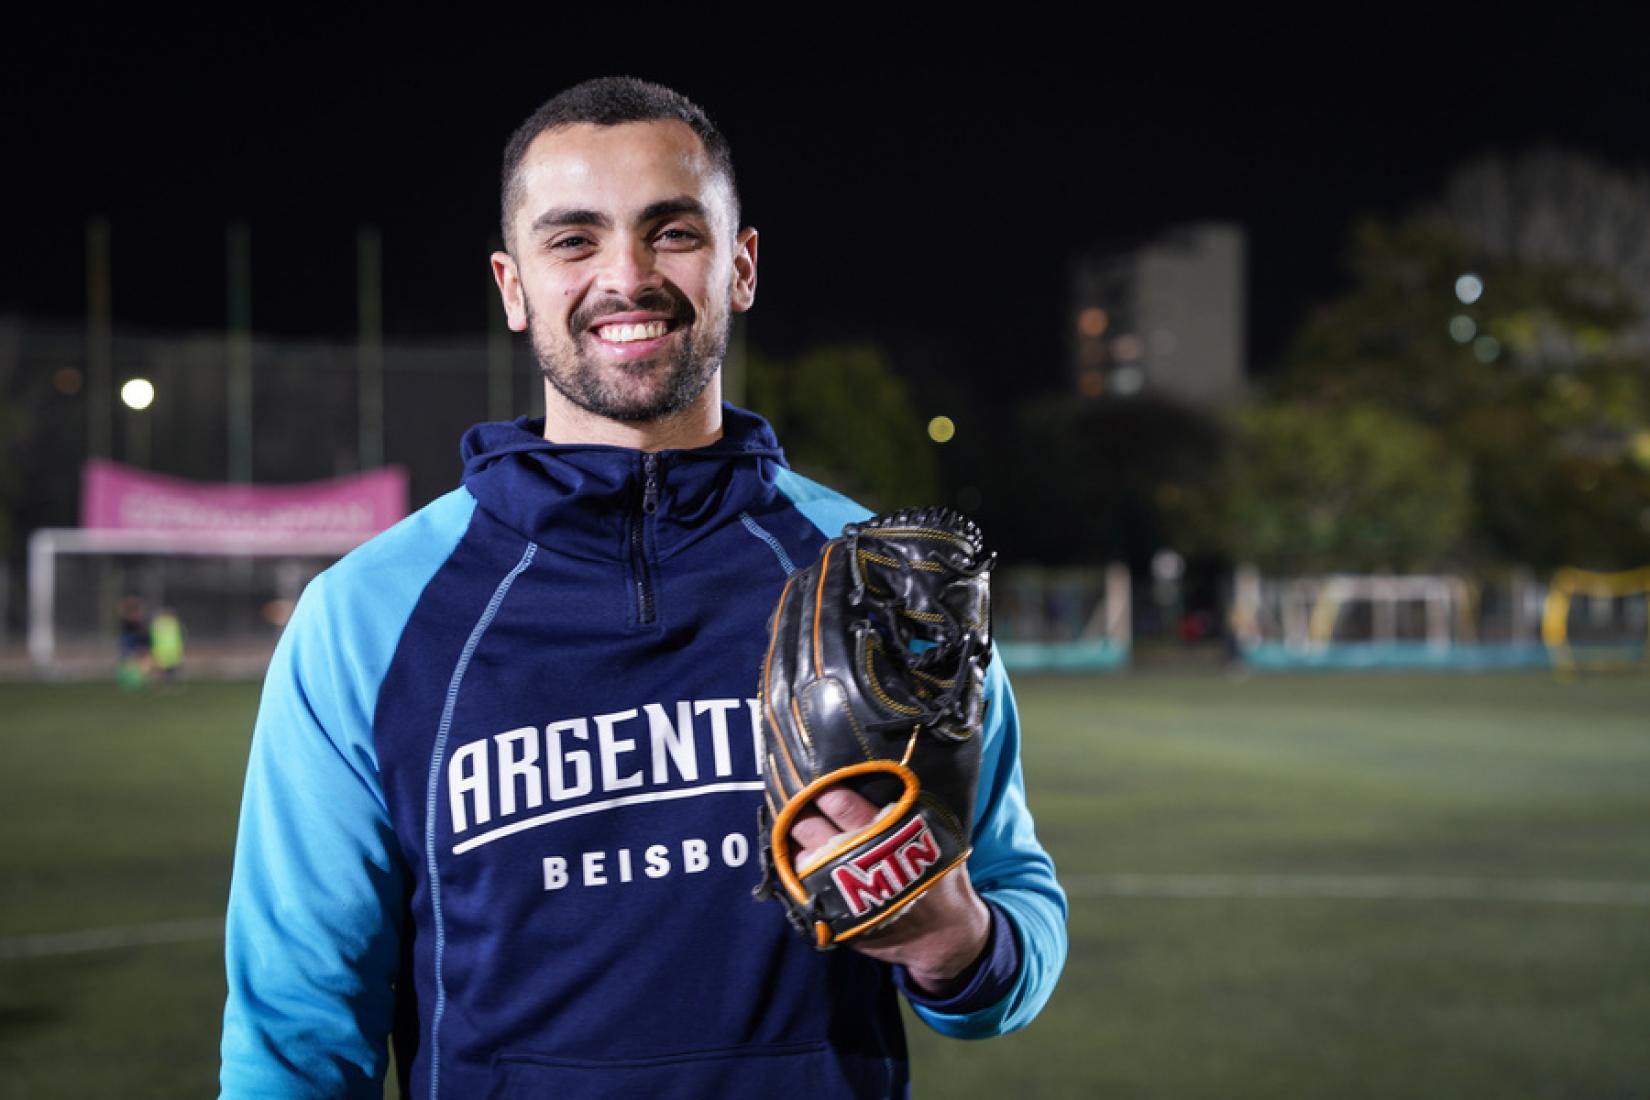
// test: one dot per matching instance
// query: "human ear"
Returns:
(744, 270)
(509, 290)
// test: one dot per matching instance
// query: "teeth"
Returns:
(624, 334)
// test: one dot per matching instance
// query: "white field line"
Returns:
(1193, 887)
(1360, 888)
(49, 944)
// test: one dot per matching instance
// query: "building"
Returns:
(1168, 317)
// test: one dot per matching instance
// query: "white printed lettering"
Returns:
(555, 872)
(675, 741)
(593, 872)
(557, 759)
(518, 758)
(467, 774)
(755, 706)
(735, 849)
(611, 746)
(695, 857)
(658, 861)
(718, 711)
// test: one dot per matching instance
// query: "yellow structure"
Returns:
(1566, 585)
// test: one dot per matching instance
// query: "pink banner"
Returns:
(116, 497)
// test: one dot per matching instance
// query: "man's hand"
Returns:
(938, 937)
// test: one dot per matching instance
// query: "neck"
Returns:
(698, 425)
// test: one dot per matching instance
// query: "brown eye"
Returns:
(677, 237)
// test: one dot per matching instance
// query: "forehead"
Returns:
(618, 170)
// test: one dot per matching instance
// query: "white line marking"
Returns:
(596, 807)
(1360, 888)
(44, 945)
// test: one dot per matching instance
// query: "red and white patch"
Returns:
(876, 877)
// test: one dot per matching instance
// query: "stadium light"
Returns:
(138, 393)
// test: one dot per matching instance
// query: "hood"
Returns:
(581, 498)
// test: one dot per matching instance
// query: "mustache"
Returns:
(663, 301)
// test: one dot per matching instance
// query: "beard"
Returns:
(643, 389)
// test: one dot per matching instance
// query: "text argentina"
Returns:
(650, 747)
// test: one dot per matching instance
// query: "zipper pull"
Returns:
(650, 484)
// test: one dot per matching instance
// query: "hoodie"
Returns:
(502, 803)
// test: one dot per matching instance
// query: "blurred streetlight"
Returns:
(138, 393)
(1469, 288)
(941, 429)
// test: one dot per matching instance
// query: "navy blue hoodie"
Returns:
(502, 802)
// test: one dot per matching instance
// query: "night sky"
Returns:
(923, 184)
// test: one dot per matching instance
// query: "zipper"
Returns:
(645, 610)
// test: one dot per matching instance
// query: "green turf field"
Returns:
(1313, 886)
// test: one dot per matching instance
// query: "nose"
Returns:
(629, 268)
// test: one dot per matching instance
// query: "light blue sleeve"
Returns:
(312, 938)
(1010, 868)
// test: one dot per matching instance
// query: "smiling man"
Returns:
(502, 796)
(625, 263)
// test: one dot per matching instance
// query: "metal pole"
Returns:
(42, 585)
(369, 348)
(100, 385)
(137, 446)
(239, 377)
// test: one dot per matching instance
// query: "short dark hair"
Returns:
(610, 101)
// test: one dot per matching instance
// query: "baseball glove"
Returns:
(874, 679)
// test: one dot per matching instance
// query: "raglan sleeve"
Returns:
(312, 931)
(1012, 872)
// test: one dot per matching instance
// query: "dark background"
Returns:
(918, 182)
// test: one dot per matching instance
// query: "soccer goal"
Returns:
(1368, 621)
(1598, 621)
(231, 595)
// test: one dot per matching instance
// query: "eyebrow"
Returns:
(558, 216)
(670, 208)
(561, 216)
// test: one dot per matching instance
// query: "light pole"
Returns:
(138, 394)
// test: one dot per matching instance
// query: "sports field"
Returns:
(1284, 886)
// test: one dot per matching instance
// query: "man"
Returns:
(503, 787)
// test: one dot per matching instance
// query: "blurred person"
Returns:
(132, 667)
(503, 781)
(166, 645)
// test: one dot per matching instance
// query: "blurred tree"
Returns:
(845, 418)
(1526, 357)
(1310, 488)
(1556, 209)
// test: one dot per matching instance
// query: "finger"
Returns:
(846, 809)
(811, 829)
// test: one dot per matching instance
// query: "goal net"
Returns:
(1375, 620)
(1598, 621)
(231, 597)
